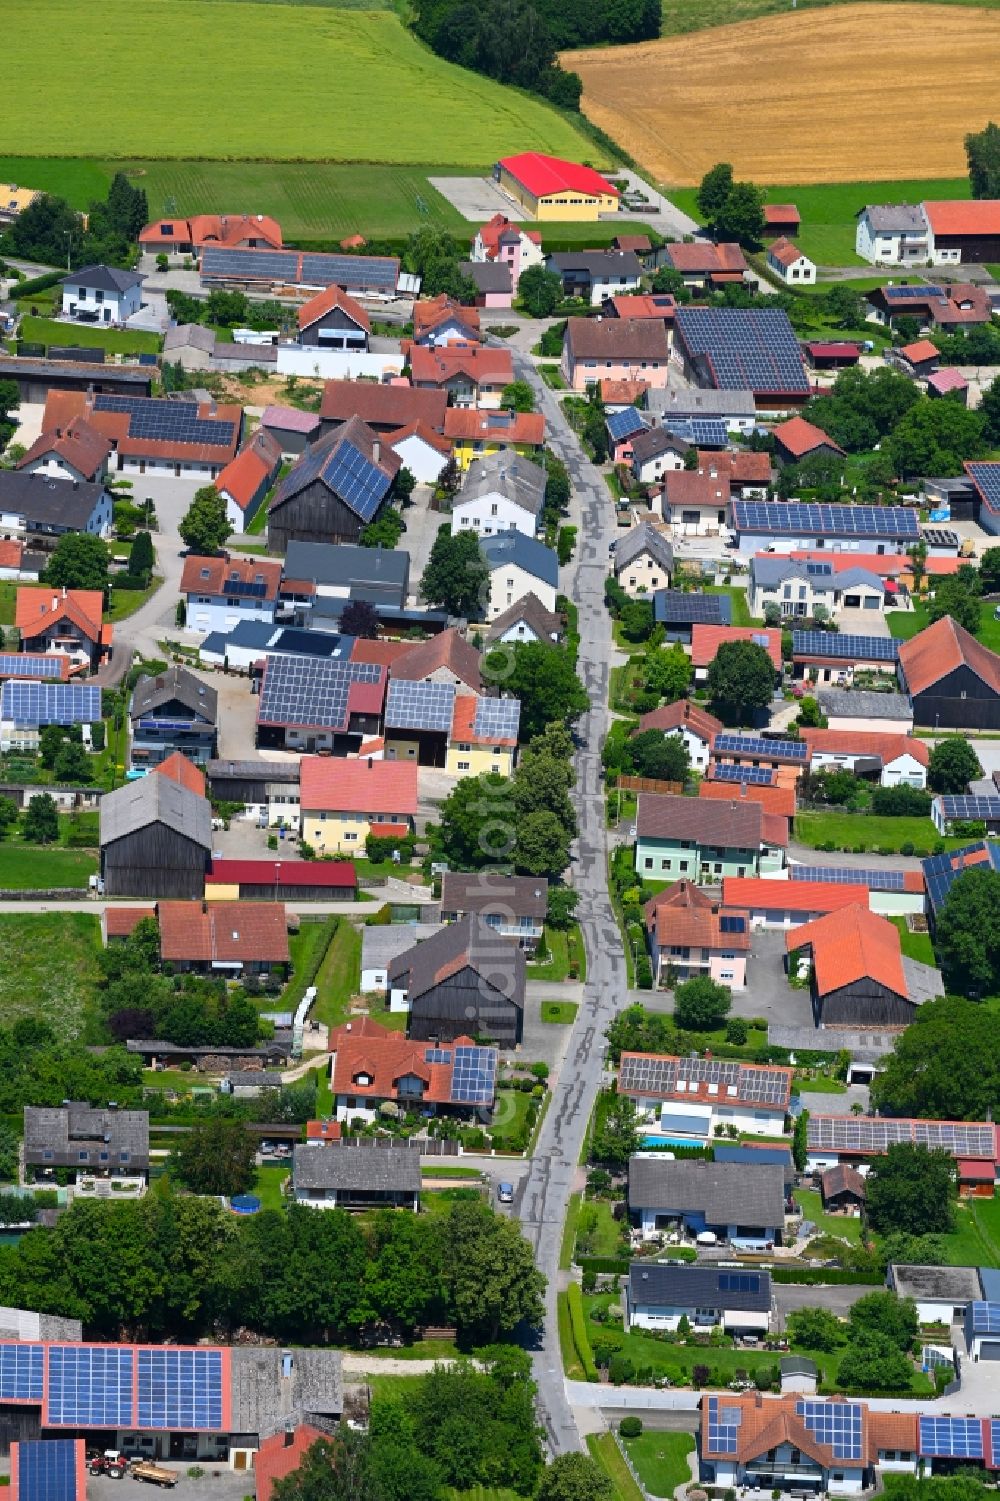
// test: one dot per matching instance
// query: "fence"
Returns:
(628, 1460)
(648, 784)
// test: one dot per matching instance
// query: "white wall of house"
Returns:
(213, 612)
(695, 521)
(905, 770)
(349, 1108)
(509, 583)
(451, 331)
(668, 1316)
(654, 469)
(891, 249)
(424, 461)
(58, 468)
(109, 307)
(800, 273)
(488, 514)
(643, 574)
(182, 468)
(336, 364)
(612, 286)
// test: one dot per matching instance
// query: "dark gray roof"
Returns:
(797, 1365)
(78, 1127)
(653, 441)
(155, 799)
(146, 1045)
(382, 943)
(177, 684)
(231, 353)
(48, 500)
(513, 547)
(505, 473)
(896, 218)
(644, 538)
(859, 703)
(947, 1284)
(489, 276)
(262, 1078)
(103, 279)
(75, 371)
(264, 1404)
(530, 609)
(471, 941)
(347, 567)
(696, 1287)
(699, 402)
(361, 1167)
(776, 570)
(728, 1193)
(190, 336)
(597, 264)
(254, 771)
(511, 896)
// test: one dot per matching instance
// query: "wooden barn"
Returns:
(953, 681)
(856, 974)
(156, 839)
(467, 979)
(336, 488)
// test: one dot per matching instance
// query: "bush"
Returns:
(643, 974)
(630, 1427)
(621, 1370)
(589, 1280)
(36, 284)
(578, 1325)
(737, 1031)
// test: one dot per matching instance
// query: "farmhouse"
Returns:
(66, 621)
(470, 375)
(85, 1142)
(643, 560)
(156, 839)
(856, 970)
(476, 432)
(892, 235)
(319, 703)
(953, 681)
(365, 1175)
(101, 294)
(547, 187)
(75, 452)
(798, 587)
(798, 439)
(174, 711)
(704, 265)
(696, 727)
(519, 565)
(467, 978)
(245, 482)
(739, 1204)
(343, 802)
(742, 349)
(221, 591)
(232, 939)
(383, 408)
(898, 760)
(231, 231)
(615, 349)
(514, 906)
(502, 492)
(680, 836)
(789, 904)
(178, 439)
(504, 243)
(694, 501)
(659, 1295)
(690, 934)
(332, 320)
(43, 506)
(596, 276)
(35, 378)
(444, 658)
(334, 490)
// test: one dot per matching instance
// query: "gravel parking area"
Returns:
(476, 198)
(218, 1482)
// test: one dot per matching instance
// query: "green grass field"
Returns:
(339, 976)
(26, 867)
(114, 340)
(661, 1460)
(48, 969)
(559, 1013)
(844, 1227)
(851, 829)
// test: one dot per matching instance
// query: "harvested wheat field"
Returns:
(843, 94)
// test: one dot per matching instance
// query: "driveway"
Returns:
(422, 526)
(218, 1482)
(788, 1298)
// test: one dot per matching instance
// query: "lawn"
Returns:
(842, 1226)
(268, 1184)
(125, 602)
(339, 976)
(915, 945)
(848, 830)
(903, 624)
(114, 340)
(975, 1240)
(603, 1448)
(29, 867)
(302, 949)
(559, 1013)
(509, 1116)
(565, 946)
(741, 610)
(48, 970)
(661, 1460)
(8, 593)
(598, 1233)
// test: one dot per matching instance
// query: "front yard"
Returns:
(661, 1460)
(566, 953)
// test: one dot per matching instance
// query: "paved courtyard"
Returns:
(476, 198)
(218, 1482)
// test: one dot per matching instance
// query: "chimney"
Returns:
(64, 591)
(289, 1437)
(376, 450)
(371, 760)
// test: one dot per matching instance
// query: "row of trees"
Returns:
(878, 1335)
(731, 210)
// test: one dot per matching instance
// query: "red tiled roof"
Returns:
(753, 892)
(833, 349)
(661, 306)
(255, 464)
(382, 405)
(11, 553)
(706, 640)
(423, 432)
(705, 258)
(774, 829)
(772, 799)
(785, 253)
(210, 575)
(964, 216)
(177, 229)
(885, 566)
(436, 366)
(449, 650)
(639, 243)
(342, 786)
(743, 467)
(431, 312)
(623, 392)
(542, 175)
(733, 824)
(275, 1458)
(324, 302)
(849, 945)
(37, 607)
(462, 722)
(121, 922)
(386, 1058)
(339, 874)
(799, 437)
(974, 1170)
(478, 422)
(684, 915)
(693, 487)
(682, 715)
(781, 213)
(78, 444)
(383, 653)
(232, 229)
(500, 226)
(943, 381)
(323, 1130)
(223, 932)
(885, 745)
(179, 769)
(922, 350)
(941, 648)
(62, 406)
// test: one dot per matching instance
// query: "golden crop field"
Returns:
(852, 92)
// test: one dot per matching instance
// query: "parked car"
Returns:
(505, 1193)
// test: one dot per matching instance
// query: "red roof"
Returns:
(39, 607)
(223, 932)
(964, 216)
(232, 229)
(886, 746)
(682, 714)
(11, 553)
(382, 406)
(462, 722)
(246, 476)
(385, 1060)
(920, 351)
(781, 213)
(772, 799)
(275, 1458)
(742, 467)
(423, 432)
(706, 640)
(23, 661)
(324, 302)
(61, 406)
(289, 419)
(440, 364)
(433, 311)
(326, 1130)
(384, 653)
(774, 829)
(799, 437)
(542, 175)
(849, 945)
(121, 922)
(976, 1170)
(745, 1087)
(686, 916)
(361, 786)
(785, 253)
(448, 651)
(941, 648)
(494, 427)
(79, 445)
(660, 306)
(791, 896)
(203, 575)
(179, 769)
(625, 393)
(943, 381)
(704, 258)
(283, 873)
(501, 227)
(832, 349)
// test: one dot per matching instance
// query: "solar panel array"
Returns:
(941, 871)
(625, 423)
(22, 1373)
(985, 1317)
(866, 1134)
(723, 1426)
(358, 482)
(437, 1055)
(180, 1389)
(311, 690)
(168, 421)
(761, 776)
(685, 609)
(646, 1074)
(38, 703)
(473, 1079)
(245, 588)
(420, 706)
(986, 478)
(875, 880)
(744, 348)
(90, 1386)
(47, 1470)
(836, 646)
(703, 432)
(17, 665)
(912, 294)
(836, 1424)
(274, 265)
(739, 1282)
(951, 1438)
(756, 745)
(958, 806)
(497, 718)
(732, 924)
(312, 269)
(807, 518)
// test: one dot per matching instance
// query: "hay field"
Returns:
(231, 80)
(834, 95)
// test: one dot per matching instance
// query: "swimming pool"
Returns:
(648, 1143)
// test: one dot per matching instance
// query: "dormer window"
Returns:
(363, 1081)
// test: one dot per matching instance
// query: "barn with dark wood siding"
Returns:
(465, 980)
(856, 976)
(156, 839)
(952, 679)
(336, 488)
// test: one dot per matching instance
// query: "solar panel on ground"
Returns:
(761, 776)
(47, 1469)
(420, 706)
(19, 665)
(806, 518)
(875, 880)
(497, 718)
(40, 703)
(22, 1372)
(836, 646)
(180, 1389)
(311, 690)
(473, 1080)
(756, 745)
(624, 424)
(89, 1386)
(951, 1438)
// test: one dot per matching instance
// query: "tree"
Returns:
(216, 1157)
(72, 764)
(989, 410)
(741, 217)
(539, 291)
(542, 781)
(226, 309)
(616, 1131)
(715, 188)
(518, 396)
(956, 596)
(456, 577)
(982, 152)
(142, 557)
(953, 764)
(935, 437)
(883, 1313)
(360, 618)
(672, 282)
(44, 229)
(80, 561)
(989, 563)
(404, 484)
(667, 672)
(542, 676)
(489, 1273)
(701, 1004)
(205, 526)
(127, 208)
(946, 1066)
(330, 1470)
(740, 680)
(815, 1329)
(800, 1140)
(41, 820)
(542, 847)
(10, 400)
(664, 757)
(844, 306)
(478, 823)
(967, 937)
(8, 815)
(811, 716)
(911, 1189)
(637, 620)
(562, 904)
(385, 530)
(575, 1477)
(875, 1364)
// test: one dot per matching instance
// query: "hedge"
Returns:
(578, 1324)
(831, 1276)
(613, 1265)
(36, 284)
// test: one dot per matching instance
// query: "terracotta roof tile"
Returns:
(742, 467)
(180, 769)
(772, 799)
(623, 392)
(704, 257)
(781, 213)
(448, 650)
(463, 720)
(345, 786)
(120, 922)
(478, 422)
(253, 467)
(435, 367)
(938, 650)
(210, 575)
(382, 406)
(232, 229)
(706, 640)
(37, 608)
(799, 437)
(431, 312)
(223, 932)
(500, 227)
(964, 217)
(682, 715)
(784, 252)
(887, 747)
(419, 430)
(849, 945)
(386, 1058)
(774, 829)
(922, 350)
(383, 653)
(78, 444)
(324, 302)
(687, 916)
(277, 1458)
(792, 896)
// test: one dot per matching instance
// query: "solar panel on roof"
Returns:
(958, 806)
(89, 1386)
(744, 348)
(703, 432)
(47, 1470)
(24, 702)
(473, 1079)
(733, 924)
(951, 1438)
(986, 478)
(912, 294)
(22, 1372)
(19, 665)
(311, 691)
(837, 646)
(761, 776)
(985, 1318)
(311, 268)
(272, 265)
(835, 1424)
(689, 609)
(756, 745)
(497, 718)
(869, 1134)
(420, 706)
(180, 1389)
(875, 880)
(625, 423)
(808, 519)
(655, 1077)
(724, 1421)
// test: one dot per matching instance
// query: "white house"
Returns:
(221, 592)
(800, 1444)
(693, 1097)
(901, 760)
(519, 565)
(76, 452)
(893, 234)
(797, 586)
(696, 727)
(659, 1294)
(101, 294)
(740, 1204)
(506, 244)
(643, 561)
(527, 620)
(502, 492)
(422, 451)
(789, 264)
(656, 452)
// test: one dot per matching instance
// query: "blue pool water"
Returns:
(649, 1142)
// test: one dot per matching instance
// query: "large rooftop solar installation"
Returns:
(18, 664)
(168, 421)
(808, 518)
(180, 1389)
(835, 1424)
(760, 776)
(688, 609)
(358, 482)
(311, 690)
(723, 1426)
(986, 478)
(744, 348)
(38, 703)
(837, 646)
(497, 718)
(645, 1073)
(420, 706)
(756, 745)
(868, 1134)
(626, 422)
(22, 1373)
(842, 875)
(958, 805)
(951, 1438)
(90, 1386)
(47, 1470)
(703, 432)
(473, 1079)
(291, 266)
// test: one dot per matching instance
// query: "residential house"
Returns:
(191, 345)
(86, 1143)
(174, 711)
(706, 640)
(643, 560)
(630, 349)
(738, 748)
(292, 429)
(735, 407)
(101, 294)
(872, 713)
(26, 708)
(705, 266)
(526, 620)
(778, 526)
(519, 565)
(694, 501)
(444, 658)
(228, 939)
(364, 1175)
(483, 736)
(797, 587)
(891, 234)
(373, 1065)
(681, 836)
(380, 944)
(219, 592)
(76, 452)
(492, 281)
(982, 486)
(596, 276)
(470, 375)
(748, 473)
(656, 452)
(789, 264)
(740, 349)
(963, 232)
(319, 578)
(333, 320)
(855, 967)
(798, 439)
(622, 424)
(14, 200)
(503, 243)
(696, 727)
(781, 219)
(419, 721)
(548, 188)
(919, 358)
(971, 1144)
(382, 408)
(334, 491)
(191, 439)
(345, 801)
(441, 320)
(659, 1294)
(292, 880)
(952, 680)
(898, 760)
(43, 507)
(68, 622)
(658, 306)
(156, 839)
(843, 1190)
(420, 450)
(244, 483)
(515, 906)
(678, 612)
(954, 308)
(742, 1206)
(690, 934)
(502, 492)
(793, 903)
(466, 979)
(821, 657)
(229, 231)
(477, 432)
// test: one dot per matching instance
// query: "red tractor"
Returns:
(110, 1463)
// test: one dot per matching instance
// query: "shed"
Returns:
(798, 1374)
(842, 1187)
(156, 839)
